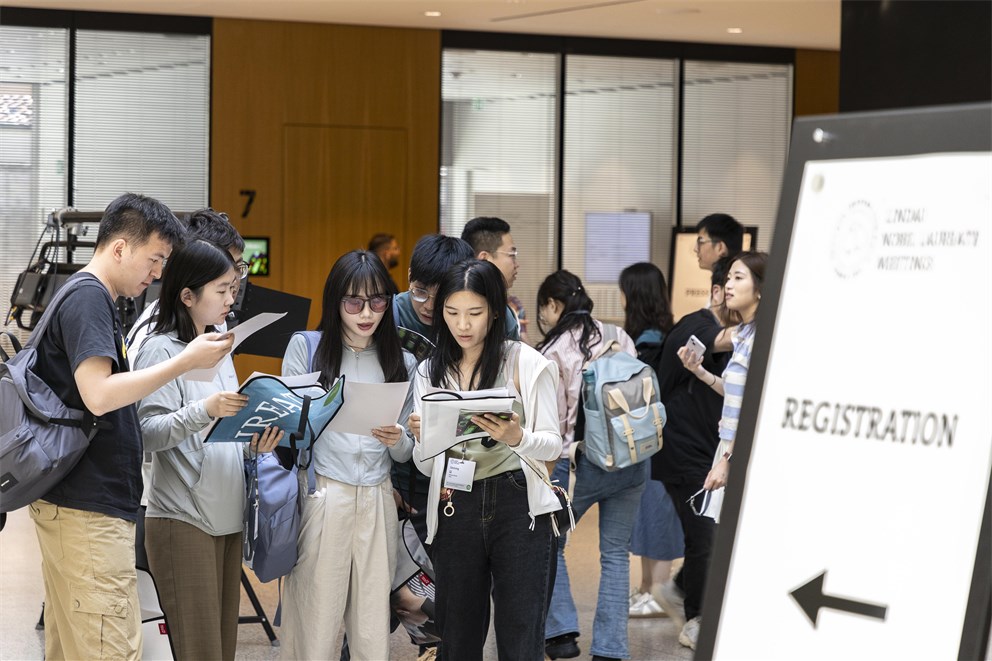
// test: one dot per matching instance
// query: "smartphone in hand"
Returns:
(696, 347)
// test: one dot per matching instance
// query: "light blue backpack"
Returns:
(624, 416)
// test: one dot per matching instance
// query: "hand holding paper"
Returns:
(238, 334)
(447, 418)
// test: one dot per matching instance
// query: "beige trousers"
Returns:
(347, 557)
(91, 587)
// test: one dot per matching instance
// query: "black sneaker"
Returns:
(562, 647)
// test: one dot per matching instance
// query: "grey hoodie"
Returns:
(200, 484)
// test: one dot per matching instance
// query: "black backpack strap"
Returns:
(46, 318)
(15, 344)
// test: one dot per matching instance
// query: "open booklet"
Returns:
(279, 401)
(446, 416)
(415, 343)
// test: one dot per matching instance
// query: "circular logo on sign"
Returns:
(854, 239)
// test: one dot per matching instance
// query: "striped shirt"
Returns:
(734, 378)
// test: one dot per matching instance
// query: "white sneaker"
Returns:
(635, 596)
(646, 606)
(690, 633)
(670, 598)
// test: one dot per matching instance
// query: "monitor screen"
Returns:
(257, 255)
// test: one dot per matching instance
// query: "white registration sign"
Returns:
(867, 480)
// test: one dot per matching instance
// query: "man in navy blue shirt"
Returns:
(86, 523)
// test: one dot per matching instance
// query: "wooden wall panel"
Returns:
(342, 185)
(817, 82)
(371, 100)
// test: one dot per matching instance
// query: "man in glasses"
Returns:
(491, 240)
(433, 255)
(208, 225)
(718, 235)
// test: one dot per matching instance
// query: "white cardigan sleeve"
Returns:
(539, 382)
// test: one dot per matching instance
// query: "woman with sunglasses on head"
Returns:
(494, 540)
(196, 494)
(347, 545)
(572, 338)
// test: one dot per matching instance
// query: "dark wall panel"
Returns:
(897, 54)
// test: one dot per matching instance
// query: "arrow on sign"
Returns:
(811, 599)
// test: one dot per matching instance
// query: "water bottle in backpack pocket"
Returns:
(623, 414)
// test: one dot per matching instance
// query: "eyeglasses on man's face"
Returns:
(700, 241)
(422, 295)
(243, 268)
(511, 253)
(355, 304)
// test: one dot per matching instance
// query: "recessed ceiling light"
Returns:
(735, 30)
(432, 14)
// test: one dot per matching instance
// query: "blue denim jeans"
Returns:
(486, 547)
(619, 495)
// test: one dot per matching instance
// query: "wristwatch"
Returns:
(727, 456)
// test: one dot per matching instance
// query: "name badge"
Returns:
(459, 474)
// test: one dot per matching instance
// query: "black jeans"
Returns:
(698, 531)
(486, 547)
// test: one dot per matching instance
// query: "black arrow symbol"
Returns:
(811, 599)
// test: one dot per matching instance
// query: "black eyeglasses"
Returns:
(355, 304)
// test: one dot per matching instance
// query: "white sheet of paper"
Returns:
(241, 333)
(368, 405)
(439, 419)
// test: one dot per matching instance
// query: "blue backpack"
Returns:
(624, 416)
(275, 505)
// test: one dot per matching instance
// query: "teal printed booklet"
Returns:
(278, 401)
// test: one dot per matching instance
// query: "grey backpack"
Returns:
(41, 439)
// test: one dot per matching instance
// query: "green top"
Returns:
(499, 458)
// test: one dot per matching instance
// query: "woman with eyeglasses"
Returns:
(347, 545)
(493, 541)
(196, 490)
(572, 337)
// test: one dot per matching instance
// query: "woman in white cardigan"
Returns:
(496, 537)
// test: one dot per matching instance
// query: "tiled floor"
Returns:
(21, 594)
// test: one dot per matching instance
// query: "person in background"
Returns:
(433, 255)
(347, 545)
(657, 536)
(702, 453)
(573, 336)
(386, 248)
(718, 235)
(492, 543)
(209, 225)
(86, 523)
(491, 240)
(196, 494)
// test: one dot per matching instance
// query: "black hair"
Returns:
(434, 254)
(725, 228)
(215, 227)
(485, 233)
(567, 289)
(721, 268)
(648, 306)
(136, 218)
(486, 280)
(192, 266)
(353, 272)
(380, 240)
